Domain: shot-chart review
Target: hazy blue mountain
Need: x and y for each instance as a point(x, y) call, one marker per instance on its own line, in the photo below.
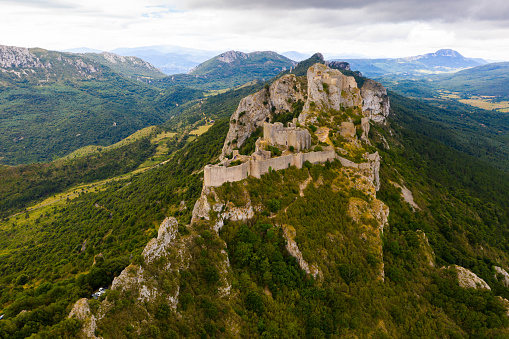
point(82, 50)
point(169, 59)
point(444, 60)
point(296, 56)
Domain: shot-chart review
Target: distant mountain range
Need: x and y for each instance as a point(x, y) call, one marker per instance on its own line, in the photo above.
point(491, 80)
point(169, 59)
point(444, 60)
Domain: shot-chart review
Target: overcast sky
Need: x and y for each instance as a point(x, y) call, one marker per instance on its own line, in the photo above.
point(392, 28)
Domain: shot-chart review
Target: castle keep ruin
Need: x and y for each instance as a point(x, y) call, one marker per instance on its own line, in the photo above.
point(276, 134)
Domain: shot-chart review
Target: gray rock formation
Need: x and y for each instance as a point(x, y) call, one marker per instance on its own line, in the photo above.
point(330, 89)
point(468, 279)
point(231, 56)
point(18, 57)
point(339, 65)
point(326, 89)
point(375, 102)
point(292, 248)
point(504, 274)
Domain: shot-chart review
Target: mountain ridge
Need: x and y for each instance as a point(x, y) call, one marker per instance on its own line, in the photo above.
point(443, 60)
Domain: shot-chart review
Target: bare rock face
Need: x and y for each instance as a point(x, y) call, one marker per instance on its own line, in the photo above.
point(292, 248)
point(18, 57)
point(285, 91)
point(339, 64)
point(81, 311)
point(201, 207)
point(375, 102)
point(329, 88)
point(231, 56)
point(136, 279)
point(252, 112)
point(347, 130)
point(468, 279)
point(505, 275)
point(166, 234)
point(372, 168)
point(365, 130)
point(115, 58)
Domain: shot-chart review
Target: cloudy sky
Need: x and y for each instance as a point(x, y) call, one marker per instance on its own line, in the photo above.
point(392, 28)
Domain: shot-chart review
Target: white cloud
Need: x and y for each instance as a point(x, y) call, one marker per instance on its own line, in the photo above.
point(391, 28)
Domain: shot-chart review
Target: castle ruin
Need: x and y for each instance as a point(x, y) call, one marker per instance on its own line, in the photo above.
point(261, 162)
point(276, 134)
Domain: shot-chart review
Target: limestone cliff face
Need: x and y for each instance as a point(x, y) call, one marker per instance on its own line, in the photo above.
point(18, 57)
point(375, 102)
point(251, 114)
point(468, 279)
point(338, 64)
point(329, 89)
point(130, 60)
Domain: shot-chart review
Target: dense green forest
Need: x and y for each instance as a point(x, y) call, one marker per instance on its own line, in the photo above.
point(43, 123)
point(474, 131)
point(463, 216)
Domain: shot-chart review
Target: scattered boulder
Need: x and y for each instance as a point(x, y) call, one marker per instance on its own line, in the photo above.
point(468, 279)
point(505, 275)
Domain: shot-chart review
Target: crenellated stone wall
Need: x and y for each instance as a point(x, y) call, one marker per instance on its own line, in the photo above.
point(216, 175)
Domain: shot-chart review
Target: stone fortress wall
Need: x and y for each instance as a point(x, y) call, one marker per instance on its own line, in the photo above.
point(260, 162)
point(216, 175)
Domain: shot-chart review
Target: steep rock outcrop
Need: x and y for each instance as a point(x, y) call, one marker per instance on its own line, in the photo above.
point(165, 235)
point(329, 89)
point(375, 102)
point(468, 279)
point(251, 113)
point(504, 275)
point(338, 64)
point(18, 57)
point(289, 234)
point(426, 247)
point(81, 311)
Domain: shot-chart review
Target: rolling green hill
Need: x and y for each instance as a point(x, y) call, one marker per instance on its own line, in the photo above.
point(231, 69)
point(487, 80)
point(490, 80)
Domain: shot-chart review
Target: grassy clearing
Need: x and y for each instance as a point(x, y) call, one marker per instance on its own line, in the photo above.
point(93, 149)
point(487, 103)
point(200, 130)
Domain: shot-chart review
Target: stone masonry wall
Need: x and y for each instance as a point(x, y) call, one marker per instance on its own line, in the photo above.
point(216, 175)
